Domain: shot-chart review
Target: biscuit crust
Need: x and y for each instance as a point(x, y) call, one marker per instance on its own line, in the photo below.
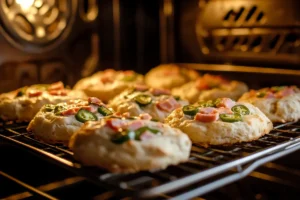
point(24, 108)
point(169, 76)
point(52, 128)
point(108, 83)
point(125, 102)
point(253, 126)
point(92, 146)
point(190, 91)
point(283, 109)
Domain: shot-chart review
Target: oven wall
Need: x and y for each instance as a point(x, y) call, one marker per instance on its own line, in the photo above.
point(119, 34)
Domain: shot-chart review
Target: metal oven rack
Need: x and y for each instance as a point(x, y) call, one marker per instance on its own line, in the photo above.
point(206, 170)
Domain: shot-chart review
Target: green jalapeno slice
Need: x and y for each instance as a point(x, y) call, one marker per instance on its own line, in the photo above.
point(141, 130)
point(205, 104)
point(49, 107)
point(85, 115)
point(261, 94)
point(231, 117)
point(59, 109)
point(277, 88)
point(143, 99)
point(240, 109)
point(190, 110)
point(122, 137)
point(104, 111)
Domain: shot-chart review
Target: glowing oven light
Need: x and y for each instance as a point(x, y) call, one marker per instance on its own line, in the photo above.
point(25, 4)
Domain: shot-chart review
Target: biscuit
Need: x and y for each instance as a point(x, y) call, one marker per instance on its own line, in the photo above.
point(24, 103)
point(159, 103)
point(210, 87)
point(57, 123)
point(169, 76)
point(123, 145)
point(220, 122)
point(279, 104)
point(106, 84)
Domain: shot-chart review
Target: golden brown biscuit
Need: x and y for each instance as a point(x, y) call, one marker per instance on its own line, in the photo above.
point(210, 87)
point(280, 104)
point(220, 122)
point(57, 123)
point(159, 103)
point(108, 83)
point(24, 103)
point(123, 145)
point(169, 76)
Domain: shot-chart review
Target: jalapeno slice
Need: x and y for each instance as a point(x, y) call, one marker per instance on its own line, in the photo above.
point(104, 111)
point(20, 93)
point(240, 109)
point(49, 107)
point(141, 130)
point(190, 110)
point(143, 99)
point(129, 78)
point(122, 137)
point(85, 115)
point(217, 102)
point(261, 94)
point(231, 117)
point(59, 109)
point(277, 88)
point(177, 98)
point(205, 104)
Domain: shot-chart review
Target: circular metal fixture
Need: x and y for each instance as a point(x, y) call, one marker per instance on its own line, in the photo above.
point(37, 25)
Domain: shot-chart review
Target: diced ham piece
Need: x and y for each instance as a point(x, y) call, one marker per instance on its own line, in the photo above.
point(35, 93)
point(90, 108)
point(269, 95)
point(226, 103)
point(168, 105)
point(106, 79)
point(201, 84)
point(223, 110)
point(94, 100)
point(145, 116)
point(207, 110)
point(56, 86)
point(134, 125)
point(126, 114)
point(116, 124)
point(141, 87)
point(252, 93)
point(128, 72)
point(160, 91)
point(118, 114)
point(146, 135)
point(285, 92)
point(61, 92)
point(71, 111)
point(207, 115)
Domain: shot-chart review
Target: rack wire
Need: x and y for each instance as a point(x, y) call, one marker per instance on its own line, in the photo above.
point(207, 168)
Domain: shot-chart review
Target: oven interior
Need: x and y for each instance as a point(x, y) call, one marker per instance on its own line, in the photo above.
point(250, 40)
